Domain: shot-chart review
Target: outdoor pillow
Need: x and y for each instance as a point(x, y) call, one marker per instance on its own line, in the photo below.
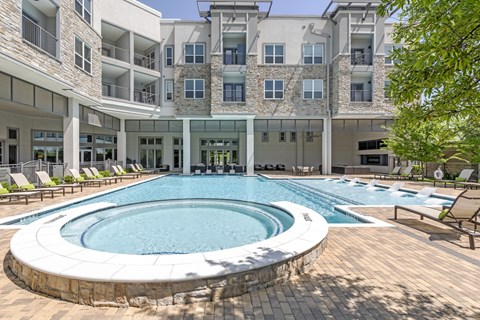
point(404, 174)
point(443, 214)
point(50, 184)
point(3, 191)
point(459, 179)
point(98, 176)
point(123, 172)
point(28, 186)
point(80, 179)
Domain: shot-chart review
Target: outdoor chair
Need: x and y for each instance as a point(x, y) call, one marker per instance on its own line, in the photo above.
point(122, 174)
point(91, 176)
point(465, 209)
point(87, 182)
point(257, 167)
point(4, 194)
point(468, 185)
point(143, 170)
point(280, 167)
point(393, 174)
point(269, 166)
point(98, 175)
point(408, 174)
point(463, 177)
point(294, 171)
point(48, 183)
point(24, 185)
point(135, 174)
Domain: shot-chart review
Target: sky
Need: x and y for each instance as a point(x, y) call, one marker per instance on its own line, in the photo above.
point(187, 9)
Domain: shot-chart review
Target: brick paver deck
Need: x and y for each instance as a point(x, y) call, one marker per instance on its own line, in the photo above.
point(415, 270)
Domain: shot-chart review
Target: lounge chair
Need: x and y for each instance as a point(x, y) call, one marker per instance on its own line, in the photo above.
point(99, 176)
point(407, 174)
point(468, 185)
point(134, 168)
point(143, 170)
point(135, 174)
point(79, 179)
point(269, 167)
point(24, 185)
point(294, 171)
point(48, 183)
point(91, 176)
point(257, 167)
point(465, 209)
point(4, 194)
point(463, 177)
point(393, 174)
point(280, 167)
point(121, 173)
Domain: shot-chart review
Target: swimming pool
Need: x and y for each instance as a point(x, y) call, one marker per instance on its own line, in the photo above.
point(321, 195)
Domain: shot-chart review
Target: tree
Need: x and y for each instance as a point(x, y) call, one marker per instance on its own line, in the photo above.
point(439, 64)
point(423, 141)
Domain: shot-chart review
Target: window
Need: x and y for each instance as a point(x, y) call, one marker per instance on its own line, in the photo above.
point(293, 136)
point(194, 88)
point(371, 145)
point(374, 159)
point(313, 54)
point(265, 136)
point(309, 136)
point(273, 89)
point(84, 9)
point(13, 134)
point(169, 56)
point(274, 53)
point(313, 89)
point(388, 51)
point(283, 136)
point(83, 55)
point(168, 90)
point(194, 53)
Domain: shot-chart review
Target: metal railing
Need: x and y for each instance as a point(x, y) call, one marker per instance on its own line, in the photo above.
point(144, 97)
point(361, 58)
point(360, 95)
point(115, 52)
point(233, 96)
point(38, 36)
point(110, 90)
point(144, 61)
point(29, 168)
point(234, 59)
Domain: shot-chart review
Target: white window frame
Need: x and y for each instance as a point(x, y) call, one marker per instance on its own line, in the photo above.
point(85, 61)
point(265, 136)
point(168, 90)
point(274, 56)
point(388, 60)
point(293, 136)
point(282, 136)
point(195, 89)
point(86, 13)
point(315, 54)
point(169, 59)
point(314, 84)
point(195, 53)
point(274, 91)
point(309, 136)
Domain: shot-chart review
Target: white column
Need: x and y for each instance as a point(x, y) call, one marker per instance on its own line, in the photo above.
point(327, 146)
point(250, 147)
point(122, 143)
point(186, 146)
point(71, 135)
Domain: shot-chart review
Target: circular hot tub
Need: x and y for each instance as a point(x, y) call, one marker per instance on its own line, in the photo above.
point(121, 256)
point(177, 226)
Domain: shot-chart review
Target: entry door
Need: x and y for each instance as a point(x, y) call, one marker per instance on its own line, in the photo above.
point(151, 158)
point(229, 56)
point(12, 154)
point(85, 156)
point(356, 91)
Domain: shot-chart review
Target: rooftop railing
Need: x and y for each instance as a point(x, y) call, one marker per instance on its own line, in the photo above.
point(117, 53)
point(38, 36)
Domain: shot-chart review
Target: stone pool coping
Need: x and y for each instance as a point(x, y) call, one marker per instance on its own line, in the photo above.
point(40, 252)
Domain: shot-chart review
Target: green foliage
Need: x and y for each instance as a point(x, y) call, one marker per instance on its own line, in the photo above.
point(84, 176)
point(68, 179)
point(7, 186)
point(56, 180)
point(417, 169)
point(105, 173)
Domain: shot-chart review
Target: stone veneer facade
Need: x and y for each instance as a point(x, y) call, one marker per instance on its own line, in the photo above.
point(62, 68)
point(194, 107)
point(293, 103)
point(340, 85)
point(112, 294)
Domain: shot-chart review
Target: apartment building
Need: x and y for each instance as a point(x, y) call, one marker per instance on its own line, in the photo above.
point(84, 81)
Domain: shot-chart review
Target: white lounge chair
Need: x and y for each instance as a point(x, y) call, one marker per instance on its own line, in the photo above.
point(24, 185)
point(79, 179)
point(48, 183)
point(463, 177)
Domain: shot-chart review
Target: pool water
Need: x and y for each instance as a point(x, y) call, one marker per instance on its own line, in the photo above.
point(177, 227)
point(316, 194)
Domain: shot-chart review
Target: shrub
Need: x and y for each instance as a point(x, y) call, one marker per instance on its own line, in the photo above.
point(68, 179)
point(84, 176)
point(417, 169)
point(56, 180)
point(6, 185)
point(105, 173)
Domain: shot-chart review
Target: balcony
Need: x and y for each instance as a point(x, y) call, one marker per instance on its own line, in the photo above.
point(39, 37)
point(117, 53)
point(360, 95)
point(113, 91)
point(145, 61)
point(233, 58)
point(233, 93)
point(361, 59)
point(144, 97)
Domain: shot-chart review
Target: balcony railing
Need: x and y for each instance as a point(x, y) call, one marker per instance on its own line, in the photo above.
point(360, 95)
point(233, 96)
point(361, 59)
point(38, 36)
point(144, 97)
point(234, 59)
point(113, 91)
point(144, 61)
point(115, 52)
